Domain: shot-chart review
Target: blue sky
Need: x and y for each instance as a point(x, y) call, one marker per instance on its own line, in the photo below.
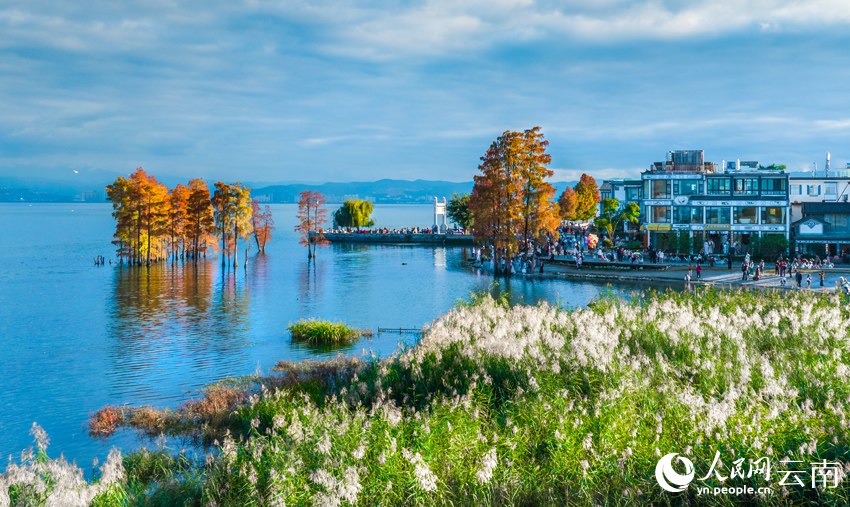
point(262, 90)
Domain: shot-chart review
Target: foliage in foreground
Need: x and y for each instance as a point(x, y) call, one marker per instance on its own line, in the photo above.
point(534, 405)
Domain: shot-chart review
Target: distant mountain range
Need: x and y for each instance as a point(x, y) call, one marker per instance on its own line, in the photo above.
point(90, 187)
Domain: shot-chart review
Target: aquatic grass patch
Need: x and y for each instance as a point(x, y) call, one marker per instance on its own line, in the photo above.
point(323, 331)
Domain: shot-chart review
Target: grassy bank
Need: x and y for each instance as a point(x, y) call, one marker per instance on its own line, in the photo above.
point(534, 405)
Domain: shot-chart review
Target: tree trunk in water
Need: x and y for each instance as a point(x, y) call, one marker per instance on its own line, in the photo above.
point(235, 246)
point(223, 249)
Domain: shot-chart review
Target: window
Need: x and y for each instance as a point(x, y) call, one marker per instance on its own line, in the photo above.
point(659, 189)
point(773, 215)
point(746, 215)
point(718, 185)
point(687, 215)
point(773, 186)
point(796, 189)
point(746, 185)
point(660, 214)
point(831, 188)
point(716, 215)
point(632, 194)
point(688, 187)
point(814, 189)
point(837, 223)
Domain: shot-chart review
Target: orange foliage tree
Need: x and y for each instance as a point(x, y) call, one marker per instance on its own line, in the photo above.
point(567, 204)
point(511, 199)
point(178, 203)
point(140, 206)
point(200, 222)
point(312, 217)
point(263, 224)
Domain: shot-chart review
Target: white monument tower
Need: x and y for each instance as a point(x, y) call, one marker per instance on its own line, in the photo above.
point(440, 209)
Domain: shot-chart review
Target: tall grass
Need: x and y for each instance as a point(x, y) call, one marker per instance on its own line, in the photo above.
point(534, 405)
point(323, 331)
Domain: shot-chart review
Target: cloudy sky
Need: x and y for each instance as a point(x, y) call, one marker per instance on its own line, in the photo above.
point(327, 90)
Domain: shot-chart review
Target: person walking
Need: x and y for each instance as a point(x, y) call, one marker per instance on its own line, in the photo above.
point(799, 279)
point(690, 271)
point(745, 270)
point(822, 277)
point(809, 281)
point(699, 270)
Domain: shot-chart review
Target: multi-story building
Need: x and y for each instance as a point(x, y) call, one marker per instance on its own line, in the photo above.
point(820, 211)
point(725, 207)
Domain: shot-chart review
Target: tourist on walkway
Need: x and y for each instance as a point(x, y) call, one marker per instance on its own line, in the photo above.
point(690, 271)
point(699, 270)
point(799, 279)
point(822, 277)
point(809, 281)
point(745, 270)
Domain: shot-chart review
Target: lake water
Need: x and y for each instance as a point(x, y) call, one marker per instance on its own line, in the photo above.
point(75, 337)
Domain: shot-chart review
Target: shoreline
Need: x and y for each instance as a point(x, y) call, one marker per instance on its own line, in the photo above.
point(675, 273)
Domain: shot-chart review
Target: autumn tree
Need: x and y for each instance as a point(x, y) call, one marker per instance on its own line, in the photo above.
point(587, 197)
point(125, 210)
point(458, 211)
point(178, 201)
point(567, 203)
point(539, 212)
point(200, 223)
point(232, 214)
point(311, 220)
point(263, 225)
point(511, 198)
point(354, 213)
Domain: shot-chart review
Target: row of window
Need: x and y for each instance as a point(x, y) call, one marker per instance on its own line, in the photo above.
point(665, 189)
point(829, 189)
point(771, 215)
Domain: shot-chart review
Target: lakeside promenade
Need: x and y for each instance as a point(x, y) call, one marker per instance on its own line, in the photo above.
point(674, 273)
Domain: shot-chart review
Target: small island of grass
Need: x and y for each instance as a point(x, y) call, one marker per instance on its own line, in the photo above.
point(324, 332)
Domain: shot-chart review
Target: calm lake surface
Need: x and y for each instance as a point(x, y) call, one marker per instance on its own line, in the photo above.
point(75, 337)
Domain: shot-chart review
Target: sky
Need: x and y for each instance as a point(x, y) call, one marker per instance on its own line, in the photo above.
point(327, 90)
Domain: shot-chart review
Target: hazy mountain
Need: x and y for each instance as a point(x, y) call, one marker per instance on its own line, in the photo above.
point(89, 186)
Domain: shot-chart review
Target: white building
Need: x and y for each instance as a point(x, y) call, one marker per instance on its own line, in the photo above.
point(724, 206)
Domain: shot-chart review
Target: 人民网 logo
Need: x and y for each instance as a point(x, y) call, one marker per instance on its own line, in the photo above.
point(668, 478)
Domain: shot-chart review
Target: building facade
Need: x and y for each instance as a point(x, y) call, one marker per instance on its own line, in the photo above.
point(722, 207)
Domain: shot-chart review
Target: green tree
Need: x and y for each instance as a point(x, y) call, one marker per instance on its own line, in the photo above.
point(587, 197)
point(683, 242)
point(770, 246)
point(612, 216)
point(458, 211)
point(354, 213)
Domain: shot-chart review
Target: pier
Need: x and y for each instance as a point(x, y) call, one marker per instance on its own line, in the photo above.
point(399, 238)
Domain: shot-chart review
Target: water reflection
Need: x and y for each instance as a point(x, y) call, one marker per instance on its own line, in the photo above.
point(170, 325)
